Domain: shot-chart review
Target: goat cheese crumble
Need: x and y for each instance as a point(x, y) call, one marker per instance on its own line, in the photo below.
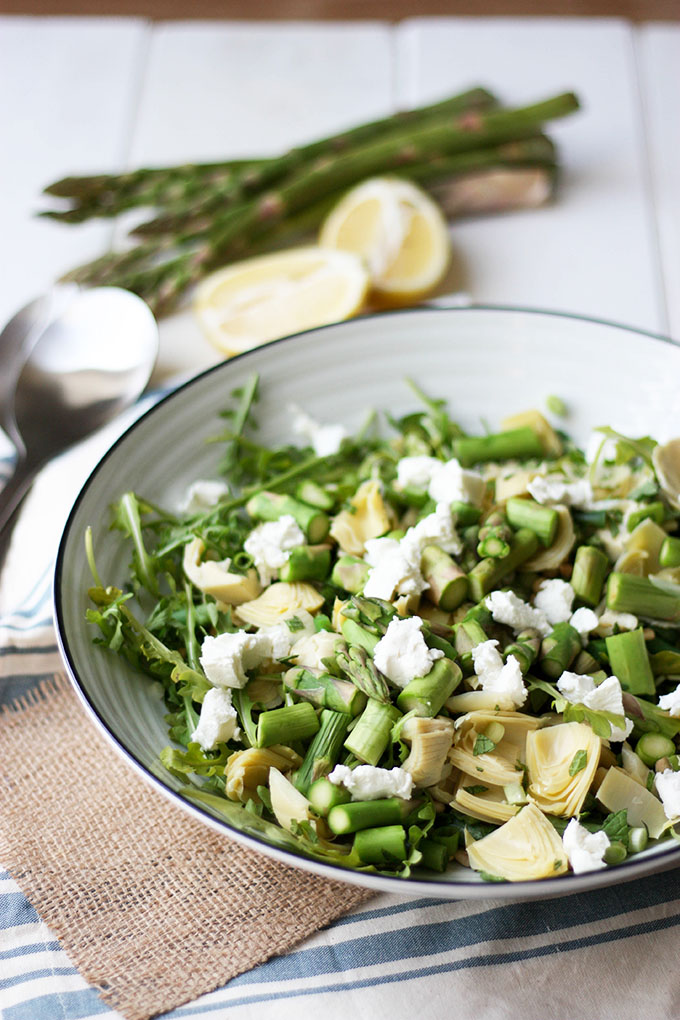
point(402, 654)
point(217, 721)
point(668, 788)
point(503, 679)
point(585, 850)
point(367, 782)
point(270, 543)
point(605, 697)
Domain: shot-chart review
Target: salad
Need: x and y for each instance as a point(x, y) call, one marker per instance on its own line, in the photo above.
point(414, 646)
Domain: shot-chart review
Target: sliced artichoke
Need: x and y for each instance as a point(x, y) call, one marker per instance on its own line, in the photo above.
point(501, 766)
point(666, 461)
point(246, 770)
point(550, 441)
point(369, 519)
point(278, 600)
point(647, 538)
point(288, 804)
point(488, 805)
point(430, 741)
point(214, 577)
point(618, 791)
point(312, 649)
point(562, 761)
point(633, 561)
point(633, 765)
point(555, 554)
point(524, 848)
point(516, 484)
point(472, 701)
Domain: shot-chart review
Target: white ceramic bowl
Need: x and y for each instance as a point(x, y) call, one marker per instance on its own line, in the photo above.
point(487, 362)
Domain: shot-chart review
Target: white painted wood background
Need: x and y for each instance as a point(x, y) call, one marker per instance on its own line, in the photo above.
point(84, 95)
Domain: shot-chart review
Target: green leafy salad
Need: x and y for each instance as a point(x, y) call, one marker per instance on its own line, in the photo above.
point(414, 646)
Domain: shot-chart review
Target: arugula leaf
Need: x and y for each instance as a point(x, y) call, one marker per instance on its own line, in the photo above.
point(601, 722)
point(194, 761)
point(578, 762)
point(628, 449)
point(483, 745)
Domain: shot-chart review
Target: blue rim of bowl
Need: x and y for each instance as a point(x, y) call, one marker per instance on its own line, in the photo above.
point(539, 889)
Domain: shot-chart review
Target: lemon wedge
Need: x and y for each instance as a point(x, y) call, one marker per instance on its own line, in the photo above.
point(248, 303)
point(400, 233)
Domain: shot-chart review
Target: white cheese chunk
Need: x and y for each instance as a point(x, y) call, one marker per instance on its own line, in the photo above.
point(509, 609)
point(401, 654)
point(312, 649)
point(503, 679)
point(202, 495)
point(610, 619)
point(550, 489)
point(395, 567)
point(671, 702)
point(585, 850)
point(367, 782)
point(270, 543)
point(445, 481)
point(438, 528)
point(668, 788)
point(554, 599)
point(324, 439)
point(605, 697)
point(416, 472)
point(584, 620)
point(227, 658)
point(451, 483)
point(217, 721)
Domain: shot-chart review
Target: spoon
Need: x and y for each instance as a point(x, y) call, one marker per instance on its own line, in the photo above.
point(69, 363)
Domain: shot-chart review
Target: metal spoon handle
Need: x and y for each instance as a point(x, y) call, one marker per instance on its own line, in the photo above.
point(15, 488)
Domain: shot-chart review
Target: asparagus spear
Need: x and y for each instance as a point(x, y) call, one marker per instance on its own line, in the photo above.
point(189, 254)
point(109, 194)
point(324, 750)
point(629, 661)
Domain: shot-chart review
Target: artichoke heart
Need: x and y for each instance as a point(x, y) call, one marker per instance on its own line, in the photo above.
point(548, 438)
point(369, 518)
point(555, 554)
point(214, 577)
point(515, 484)
point(501, 766)
point(488, 804)
point(647, 538)
point(288, 804)
point(618, 791)
point(562, 761)
point(526, 847)
point(246, 770)
point(666, 461)
point(430, 741)
point(278, 600)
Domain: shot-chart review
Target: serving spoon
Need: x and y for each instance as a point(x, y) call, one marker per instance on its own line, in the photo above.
point(70, 362)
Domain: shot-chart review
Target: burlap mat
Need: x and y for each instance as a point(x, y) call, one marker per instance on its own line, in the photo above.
point(153, 908)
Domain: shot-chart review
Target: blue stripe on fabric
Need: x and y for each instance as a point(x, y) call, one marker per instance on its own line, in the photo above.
point(522, 919)
point(399, 908)
point(29, 649)
point(35, 975)
point(59, 1006)
point(14, 910)
point(488, 960)
point(34, 947)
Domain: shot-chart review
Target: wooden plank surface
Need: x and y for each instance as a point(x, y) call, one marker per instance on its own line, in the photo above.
point(660, 86)
point(591, 252)
point(387, 10)
point(68, 89)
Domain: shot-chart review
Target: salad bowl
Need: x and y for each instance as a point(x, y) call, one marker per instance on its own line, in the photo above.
point(486, 362)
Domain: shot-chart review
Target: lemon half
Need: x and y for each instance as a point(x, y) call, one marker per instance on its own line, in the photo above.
point(400, 233)
point(270, 296)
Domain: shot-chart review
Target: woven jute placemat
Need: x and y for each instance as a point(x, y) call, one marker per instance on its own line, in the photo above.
point(135, 889)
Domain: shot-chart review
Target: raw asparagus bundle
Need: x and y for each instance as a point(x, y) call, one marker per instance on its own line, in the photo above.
point(471, 153)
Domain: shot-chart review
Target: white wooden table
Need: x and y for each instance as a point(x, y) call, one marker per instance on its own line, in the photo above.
point(87, 95)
